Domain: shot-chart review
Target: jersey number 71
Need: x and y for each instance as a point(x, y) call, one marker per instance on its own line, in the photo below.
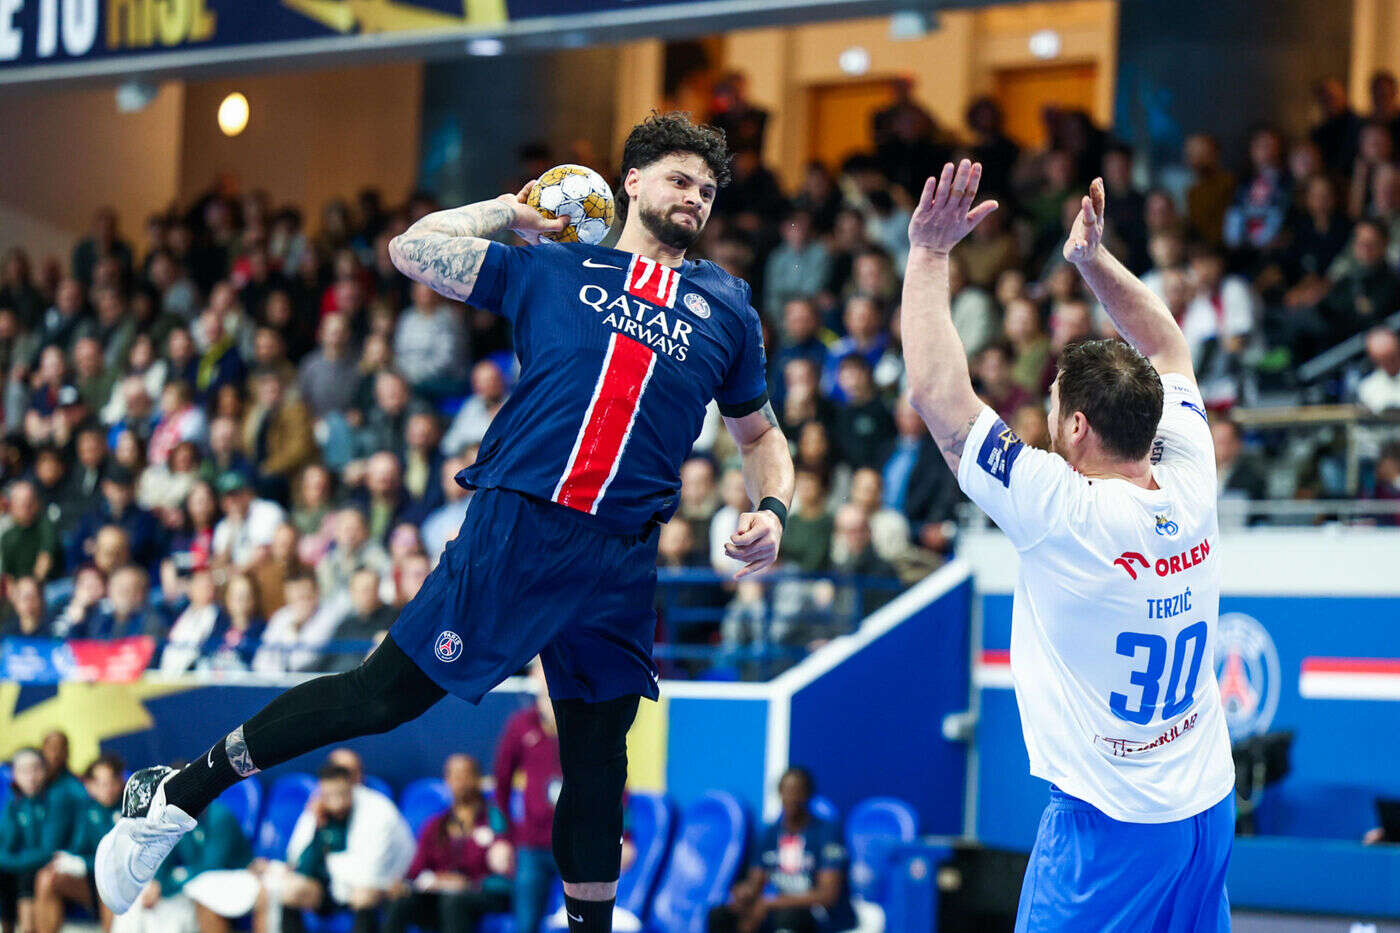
point(1190, 640)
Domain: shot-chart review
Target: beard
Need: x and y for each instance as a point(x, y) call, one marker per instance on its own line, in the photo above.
point(669, 233)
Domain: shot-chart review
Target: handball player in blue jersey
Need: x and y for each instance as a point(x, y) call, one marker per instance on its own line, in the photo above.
point(621, 350)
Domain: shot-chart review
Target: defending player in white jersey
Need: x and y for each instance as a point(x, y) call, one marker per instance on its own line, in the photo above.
point(1115, 610)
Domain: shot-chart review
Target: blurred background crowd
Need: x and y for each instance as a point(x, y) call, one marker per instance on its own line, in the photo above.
point(236, 429)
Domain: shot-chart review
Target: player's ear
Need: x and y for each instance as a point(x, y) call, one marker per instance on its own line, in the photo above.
point(632, 182)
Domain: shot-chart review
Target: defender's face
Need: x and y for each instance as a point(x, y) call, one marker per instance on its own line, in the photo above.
point(672, 198)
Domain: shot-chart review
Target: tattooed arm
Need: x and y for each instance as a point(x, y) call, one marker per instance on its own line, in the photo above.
point(940, 387)
point(445, 249)
point(768, 474)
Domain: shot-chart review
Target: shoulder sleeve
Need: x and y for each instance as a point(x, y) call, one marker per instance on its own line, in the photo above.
point(1023, 489)
point(745, 386)
point(502, 269)
point(1183, 434)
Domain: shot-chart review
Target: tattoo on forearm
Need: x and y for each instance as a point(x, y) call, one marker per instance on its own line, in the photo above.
point(767, 412)
point(951, 443)
point(445, 250)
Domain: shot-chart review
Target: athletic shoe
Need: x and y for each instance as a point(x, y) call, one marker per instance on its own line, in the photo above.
point(128, 856)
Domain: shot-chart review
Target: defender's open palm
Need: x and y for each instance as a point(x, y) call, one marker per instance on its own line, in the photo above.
point(1084, 238)
point(945, 213)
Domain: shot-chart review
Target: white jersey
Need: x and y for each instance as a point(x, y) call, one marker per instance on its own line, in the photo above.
point(1114, 618)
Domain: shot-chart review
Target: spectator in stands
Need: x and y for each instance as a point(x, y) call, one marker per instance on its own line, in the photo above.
point(529, 751)
point(854, 556)
point(807, 537)
point(802, 398)
point(422, 461)
point(1216, 324)
point(1320, 231)
point(111, 328)
point(430, 343)
point(470, 424)
point(797, 267)
point(736, 501)
point(1262, 200)
point(461, 869)
point(1337, 126)
point(383, 499)
point(329, 375)
point(30, 546)
point(79, 617)
point(699, 501)
point(60, 321)
point(803, 336)
point(1387, 483)
point(889, 529)
point(179, 420)
point(991, 146)
point(163, 488)
point(56, 488)
point(92, 377)
point(248, 523)
point(35, 823)
point(741, 120)
point(220, 362)
point(1239, 474)
point(1211, 191)
point(365, 624)
point(1365, 293)
point(297, 632)
point(409, 577)
point(443, 523)
point(233, 648)
point(17, 289)
point(195, 628)
point(1375, 150)
point(104, 241)
point(118, 507)
point(1029, 345)
point(989, 251)
point(1379, 391)
point(995, 382)
point(863, 427)
point(371, 843)
point(865, 336)
point(386, 419)
point(353, 548)
point(1032, 425)
point(277, 433)
point(26, 617)
point(127, 611)
point(797, 873)
point(225, 455)
point(67, 878)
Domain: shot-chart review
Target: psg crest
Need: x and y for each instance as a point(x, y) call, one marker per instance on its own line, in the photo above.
point(1247, 668)
point(448, 646)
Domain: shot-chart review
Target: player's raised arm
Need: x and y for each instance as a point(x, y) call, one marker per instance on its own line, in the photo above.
point(445, 249)
point(1135, 309)
point(940, 387)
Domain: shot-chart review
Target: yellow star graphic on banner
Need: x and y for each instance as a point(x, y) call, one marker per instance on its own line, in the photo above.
point(88, 712)
point(390, 16)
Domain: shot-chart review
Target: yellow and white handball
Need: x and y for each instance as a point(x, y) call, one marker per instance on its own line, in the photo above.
point(578, 193)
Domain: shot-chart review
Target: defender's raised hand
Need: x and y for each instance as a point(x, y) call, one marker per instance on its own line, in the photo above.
point(1084, 239)
point(945, 213)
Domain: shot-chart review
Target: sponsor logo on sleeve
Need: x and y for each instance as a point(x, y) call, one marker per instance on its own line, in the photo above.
point(999, 451)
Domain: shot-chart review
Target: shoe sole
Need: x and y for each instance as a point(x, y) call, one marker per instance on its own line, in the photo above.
point(104, 851)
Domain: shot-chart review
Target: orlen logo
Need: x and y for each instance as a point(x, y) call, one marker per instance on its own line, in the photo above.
point(1165, 566)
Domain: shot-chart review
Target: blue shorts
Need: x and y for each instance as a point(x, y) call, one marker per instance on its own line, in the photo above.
point(1090, 872)
point(523, 578)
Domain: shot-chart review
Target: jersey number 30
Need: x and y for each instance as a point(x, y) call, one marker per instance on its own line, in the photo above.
point(1189, 641)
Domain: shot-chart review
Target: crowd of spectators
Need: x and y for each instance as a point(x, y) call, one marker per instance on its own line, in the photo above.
point(240, 433)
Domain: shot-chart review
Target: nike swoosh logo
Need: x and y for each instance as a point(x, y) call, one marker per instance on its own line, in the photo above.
point(590, 264)
point(573, 918)
point(210, 757)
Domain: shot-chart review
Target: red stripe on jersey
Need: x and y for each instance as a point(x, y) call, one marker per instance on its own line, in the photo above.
point(607, 424)
point(651, 281)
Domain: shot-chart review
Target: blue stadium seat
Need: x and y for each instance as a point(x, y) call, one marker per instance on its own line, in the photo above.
point(875, 827)
point(823, 809)
point(5, 779)
point(703, 863)
point(245, 800)
point(422, 800)
point(340, 921)
point(285, 801)
point(379, 784)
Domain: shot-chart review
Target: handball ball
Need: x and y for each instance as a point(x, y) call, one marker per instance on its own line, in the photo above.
point(578, 193)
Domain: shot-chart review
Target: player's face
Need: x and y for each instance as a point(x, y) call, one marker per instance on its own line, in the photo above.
point(105, 786)
point(673, 197)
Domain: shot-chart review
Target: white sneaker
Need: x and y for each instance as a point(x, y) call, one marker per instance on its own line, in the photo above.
point(128, 856)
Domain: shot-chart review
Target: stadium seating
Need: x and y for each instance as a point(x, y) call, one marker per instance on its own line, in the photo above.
point(703, 863)
point(379, 784)
point(245, 800)
point(422, 800)
point(4, 785)
point(285, 801)
point(874, 828)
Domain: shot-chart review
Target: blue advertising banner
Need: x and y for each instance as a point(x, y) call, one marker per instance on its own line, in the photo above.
point(59, 39)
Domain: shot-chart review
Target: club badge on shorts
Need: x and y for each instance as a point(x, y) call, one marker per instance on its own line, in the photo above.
point(448, 646)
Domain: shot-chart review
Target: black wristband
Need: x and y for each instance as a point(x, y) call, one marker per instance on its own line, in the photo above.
point(775, 505)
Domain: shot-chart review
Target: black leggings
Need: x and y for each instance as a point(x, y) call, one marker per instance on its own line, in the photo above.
point(384, 692)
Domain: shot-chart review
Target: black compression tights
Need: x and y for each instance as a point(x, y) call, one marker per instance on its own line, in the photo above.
point(385, 691)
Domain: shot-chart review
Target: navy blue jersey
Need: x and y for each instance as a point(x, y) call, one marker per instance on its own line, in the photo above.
point(792, 861)
point(619, 355)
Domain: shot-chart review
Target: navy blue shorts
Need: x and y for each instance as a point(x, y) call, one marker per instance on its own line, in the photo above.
point(523, 578)
point(1089, 871)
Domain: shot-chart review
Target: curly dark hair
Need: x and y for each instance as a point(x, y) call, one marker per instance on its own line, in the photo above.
point(661, 134)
